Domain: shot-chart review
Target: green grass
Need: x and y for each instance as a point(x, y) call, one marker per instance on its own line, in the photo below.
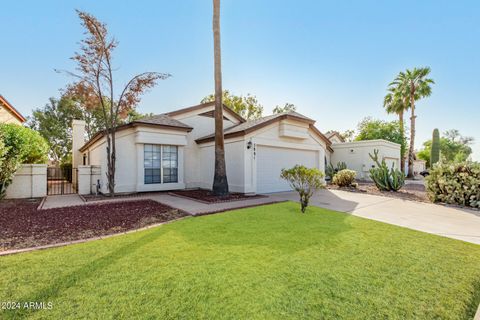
point(266, 262)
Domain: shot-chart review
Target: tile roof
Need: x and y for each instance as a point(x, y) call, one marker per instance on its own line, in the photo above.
point(251, 125)
point(164, 120)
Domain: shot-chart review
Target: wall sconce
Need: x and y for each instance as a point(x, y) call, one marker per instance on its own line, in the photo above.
point(249, 144)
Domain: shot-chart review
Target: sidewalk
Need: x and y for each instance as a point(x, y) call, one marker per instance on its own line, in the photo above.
point(190, 206)
point(458, 223)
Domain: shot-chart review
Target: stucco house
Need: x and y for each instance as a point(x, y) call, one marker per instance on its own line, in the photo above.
point(175, 150)
point(8, 114)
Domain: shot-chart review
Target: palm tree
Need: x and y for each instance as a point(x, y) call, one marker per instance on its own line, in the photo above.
point(220, 184)
point(395, 103)
point(415, 85)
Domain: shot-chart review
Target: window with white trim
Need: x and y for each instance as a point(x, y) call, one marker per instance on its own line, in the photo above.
point(160, 164)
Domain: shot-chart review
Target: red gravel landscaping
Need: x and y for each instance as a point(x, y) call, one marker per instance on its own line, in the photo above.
point(23, 226)
point(207, 196)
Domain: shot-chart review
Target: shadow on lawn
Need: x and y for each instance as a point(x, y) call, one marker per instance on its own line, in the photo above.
point(55, 288)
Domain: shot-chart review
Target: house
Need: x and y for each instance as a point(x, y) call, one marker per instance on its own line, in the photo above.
point(8, 114)
point(175, 150)
point(334, 137)
point(356, 155)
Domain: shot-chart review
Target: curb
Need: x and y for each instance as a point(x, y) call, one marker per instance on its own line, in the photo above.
point(237, 208)
point(477, 315)
point(173, 194)
point(40, 206)
point(63, 244)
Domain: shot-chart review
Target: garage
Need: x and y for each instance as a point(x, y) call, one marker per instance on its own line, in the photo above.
point(270, 162)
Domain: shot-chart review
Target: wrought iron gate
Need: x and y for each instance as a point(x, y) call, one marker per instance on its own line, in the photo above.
point(61, 180)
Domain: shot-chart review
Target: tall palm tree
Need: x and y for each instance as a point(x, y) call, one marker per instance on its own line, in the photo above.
point(395, 103)
point(415, 85)
point(220, 183)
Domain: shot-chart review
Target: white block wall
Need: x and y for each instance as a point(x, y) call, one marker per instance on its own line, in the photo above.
point(30, 181)
point(87, 179)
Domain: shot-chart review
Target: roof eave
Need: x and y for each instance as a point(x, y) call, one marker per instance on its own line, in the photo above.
point(101, 134)
point(203, 105)
point(12, 109)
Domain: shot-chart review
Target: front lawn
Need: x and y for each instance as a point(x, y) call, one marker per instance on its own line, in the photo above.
point(267, 262)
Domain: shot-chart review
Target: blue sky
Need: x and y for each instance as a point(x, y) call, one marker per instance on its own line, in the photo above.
point(333, 60)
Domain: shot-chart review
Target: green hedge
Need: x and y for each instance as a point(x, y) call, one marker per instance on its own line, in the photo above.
point(455, 183)
point(18, 145)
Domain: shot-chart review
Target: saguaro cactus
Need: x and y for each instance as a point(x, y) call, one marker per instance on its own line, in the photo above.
point(435, 151)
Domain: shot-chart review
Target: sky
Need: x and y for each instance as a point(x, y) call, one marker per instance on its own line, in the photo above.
point(331, 59)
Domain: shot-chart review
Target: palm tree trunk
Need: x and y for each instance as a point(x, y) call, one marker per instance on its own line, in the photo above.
point(220, 184)
point(402, 148)
point(412, 133)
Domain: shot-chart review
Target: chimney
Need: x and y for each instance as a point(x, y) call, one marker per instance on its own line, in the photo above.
point(78, 140)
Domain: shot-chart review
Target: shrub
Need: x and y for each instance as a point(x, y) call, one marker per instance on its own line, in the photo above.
point(344, 178)
point(384, 178)
point(18, 145)
point(331, 171)
point(455, 183)
point(305, 181)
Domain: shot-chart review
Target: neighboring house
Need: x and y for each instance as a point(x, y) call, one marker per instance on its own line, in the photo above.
point(418, 165)
point(356, 155)
point(175, 150)
point(334, 137)
point(8, 114)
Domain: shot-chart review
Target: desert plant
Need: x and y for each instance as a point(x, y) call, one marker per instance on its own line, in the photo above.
point(305, 181)
point(386, 179)
point(435, 151)
point(455, 183)
point(18, 145)
point(331, 171)
point(344, 178)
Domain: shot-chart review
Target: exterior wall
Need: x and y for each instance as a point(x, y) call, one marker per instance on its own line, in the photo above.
point(234, 158)
point(419, 166)
point(129, 174)
point(30, 181)
point(87, 179)
point(195, 172)
point(241, 161)
point(273, 136)
point(7, 117)
point(356, 155)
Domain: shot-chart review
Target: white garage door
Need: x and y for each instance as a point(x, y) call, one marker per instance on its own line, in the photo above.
point(270, 162)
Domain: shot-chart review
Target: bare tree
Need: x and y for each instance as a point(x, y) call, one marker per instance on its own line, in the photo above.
point(95, 84)
point(220, 183)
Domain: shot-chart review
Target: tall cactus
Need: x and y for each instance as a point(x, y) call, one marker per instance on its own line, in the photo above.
point(385, 179)
point(435, 151)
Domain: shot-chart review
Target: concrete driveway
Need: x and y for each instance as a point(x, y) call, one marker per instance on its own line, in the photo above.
point(457, 223)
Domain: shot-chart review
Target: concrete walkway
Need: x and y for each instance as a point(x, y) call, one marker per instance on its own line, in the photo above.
point(457, 223)
point(59, 201)
point(190, 206)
